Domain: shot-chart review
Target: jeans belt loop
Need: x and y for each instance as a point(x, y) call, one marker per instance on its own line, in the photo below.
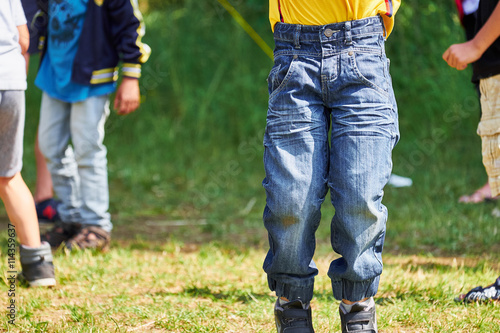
point(348, 33)
point(296, 36)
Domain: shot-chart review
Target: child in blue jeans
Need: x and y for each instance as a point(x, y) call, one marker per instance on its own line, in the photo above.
point(331, 125)
point(36, 257)
point(85, 42)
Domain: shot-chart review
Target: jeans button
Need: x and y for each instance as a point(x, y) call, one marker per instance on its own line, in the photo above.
point(350, 53)
point(328, 32)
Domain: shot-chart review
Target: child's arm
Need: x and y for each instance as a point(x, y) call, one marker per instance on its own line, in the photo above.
point(460, 55)
point(128, 30)
point(128, 96)
point(24, 37)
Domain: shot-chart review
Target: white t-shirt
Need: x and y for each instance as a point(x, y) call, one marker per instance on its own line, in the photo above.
point(470, 6)
point(12, 63)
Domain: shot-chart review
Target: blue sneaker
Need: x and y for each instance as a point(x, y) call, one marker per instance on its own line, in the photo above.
point(47, 210)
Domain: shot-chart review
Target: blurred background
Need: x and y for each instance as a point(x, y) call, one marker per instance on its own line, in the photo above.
point(188, 164)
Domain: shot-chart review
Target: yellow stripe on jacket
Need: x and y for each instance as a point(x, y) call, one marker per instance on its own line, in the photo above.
point(321, 12)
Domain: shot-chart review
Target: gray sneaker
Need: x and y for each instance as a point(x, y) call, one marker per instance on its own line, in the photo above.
point(37, 267)
point(361, 319)
point(291, 317)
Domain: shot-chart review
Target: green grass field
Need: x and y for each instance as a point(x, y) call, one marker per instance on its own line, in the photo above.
point(185, 177)
point(181, 287)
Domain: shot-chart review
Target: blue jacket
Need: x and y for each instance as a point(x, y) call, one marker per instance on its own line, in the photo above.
point(112, 32)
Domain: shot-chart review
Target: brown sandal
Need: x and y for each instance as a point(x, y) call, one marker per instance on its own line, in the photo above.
point(90, 237)
point(61, 233)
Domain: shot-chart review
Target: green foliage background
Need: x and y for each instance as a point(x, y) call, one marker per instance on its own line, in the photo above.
point(194, 149)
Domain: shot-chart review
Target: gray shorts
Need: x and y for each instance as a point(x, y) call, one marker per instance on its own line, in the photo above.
point(12, 113)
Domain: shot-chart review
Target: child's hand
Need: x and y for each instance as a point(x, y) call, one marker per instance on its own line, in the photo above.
point(24, 38)
point(460, 55)
point(128, 96)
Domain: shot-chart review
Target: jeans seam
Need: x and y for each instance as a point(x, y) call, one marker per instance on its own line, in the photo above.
point(286, 52)
point(354, 36)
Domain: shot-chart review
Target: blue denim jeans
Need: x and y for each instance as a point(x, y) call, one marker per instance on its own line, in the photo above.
point(79, 171)
point(328, 78)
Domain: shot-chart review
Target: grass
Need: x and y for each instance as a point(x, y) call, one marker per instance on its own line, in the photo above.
point(212, 288)
point(186, 200)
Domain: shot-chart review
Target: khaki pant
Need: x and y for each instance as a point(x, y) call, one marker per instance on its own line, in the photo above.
point(489, 130)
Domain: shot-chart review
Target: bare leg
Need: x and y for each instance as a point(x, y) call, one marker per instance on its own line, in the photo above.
point(20, 208)
point(351, 303)
point(27, 59)
point(343, 300)
point(480, 195)
point(43, 188)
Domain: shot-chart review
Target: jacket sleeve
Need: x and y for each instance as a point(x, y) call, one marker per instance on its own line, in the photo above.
point(127, 30)
point(39, 23)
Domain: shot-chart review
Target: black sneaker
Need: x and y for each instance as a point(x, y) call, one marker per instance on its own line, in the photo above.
point(37, 267)
point(90, 237)
point(291, 317)
point(46, 210)
point(361, 319)
point(61, 233)
point(480, 294)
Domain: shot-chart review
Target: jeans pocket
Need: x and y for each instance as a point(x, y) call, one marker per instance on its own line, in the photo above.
point(271, 76)
point(372, 70)
point(378, 248)
point(280, 73)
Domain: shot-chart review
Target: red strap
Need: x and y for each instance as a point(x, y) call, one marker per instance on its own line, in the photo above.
point(460, 9)
point(279, 8)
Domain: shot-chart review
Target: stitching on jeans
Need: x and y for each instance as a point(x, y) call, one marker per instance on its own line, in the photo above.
point(365, 80)
point(298, 53)
point(284, 81)
point(340, 38)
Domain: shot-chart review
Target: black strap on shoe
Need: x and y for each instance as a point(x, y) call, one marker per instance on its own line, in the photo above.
point(360, 322)
point(291, 315)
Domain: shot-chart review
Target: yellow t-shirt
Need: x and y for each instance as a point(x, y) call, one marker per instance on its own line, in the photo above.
point(321, 12)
